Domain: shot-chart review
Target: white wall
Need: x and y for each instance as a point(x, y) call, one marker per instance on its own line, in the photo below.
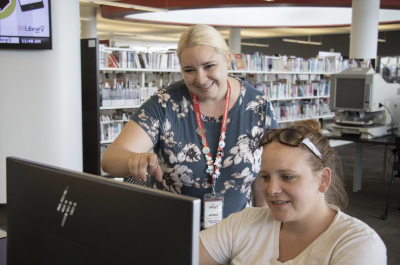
point(40, 98)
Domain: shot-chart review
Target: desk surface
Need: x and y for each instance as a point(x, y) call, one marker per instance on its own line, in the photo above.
point(384, 140)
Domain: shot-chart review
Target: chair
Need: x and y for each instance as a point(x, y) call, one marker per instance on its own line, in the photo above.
point(395, 173)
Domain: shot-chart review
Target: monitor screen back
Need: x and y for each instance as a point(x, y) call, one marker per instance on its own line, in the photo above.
point(58, 216)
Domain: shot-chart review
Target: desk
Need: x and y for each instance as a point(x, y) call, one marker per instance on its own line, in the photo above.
point(385, 140)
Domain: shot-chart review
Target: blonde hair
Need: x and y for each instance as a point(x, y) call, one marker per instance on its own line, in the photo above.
point(202, 35)
point(336, 194)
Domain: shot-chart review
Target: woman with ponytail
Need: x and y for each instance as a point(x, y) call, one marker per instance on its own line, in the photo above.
point(302, 184)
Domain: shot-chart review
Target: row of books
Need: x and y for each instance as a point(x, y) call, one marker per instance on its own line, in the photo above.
point(244, 61)
point(132, 59)
point(291, 78)
point(258, 62)
point(121, 96)
point(130, 80)
point(110, 131)
point(109, 119)
point(283, 89)
point(303, 109)
point(111, 125)
point(124, 89)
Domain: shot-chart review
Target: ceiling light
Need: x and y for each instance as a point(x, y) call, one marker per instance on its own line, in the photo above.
point(379, 40)
point(85, 18)
point(117, 4)
point(254, 44)
point(124, 33)
point(303, 41)
point(384, 37)
point(260, 16)
point(139, 36)
point(128, 40)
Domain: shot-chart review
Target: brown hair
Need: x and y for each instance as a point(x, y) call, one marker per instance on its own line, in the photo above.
point(336, 193)
point(202, 35)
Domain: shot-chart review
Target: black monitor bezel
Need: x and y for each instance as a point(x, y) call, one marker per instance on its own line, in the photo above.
point(31, 189)
point(31, 46)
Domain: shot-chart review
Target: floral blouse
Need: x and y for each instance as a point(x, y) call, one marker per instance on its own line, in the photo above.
point(168, 118)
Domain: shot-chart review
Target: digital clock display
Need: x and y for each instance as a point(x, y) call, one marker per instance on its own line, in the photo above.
point(26, 40)
point(31, 40)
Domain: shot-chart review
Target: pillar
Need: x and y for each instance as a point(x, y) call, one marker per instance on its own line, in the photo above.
point(234, 40)
point(89, 24)
point(364, 29)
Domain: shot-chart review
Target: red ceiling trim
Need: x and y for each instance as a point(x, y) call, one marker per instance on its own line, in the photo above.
point(235, 26)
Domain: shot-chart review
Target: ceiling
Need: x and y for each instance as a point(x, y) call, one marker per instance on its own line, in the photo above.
point(148, 34)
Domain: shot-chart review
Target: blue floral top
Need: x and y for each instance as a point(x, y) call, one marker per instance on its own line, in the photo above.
point(168, 118)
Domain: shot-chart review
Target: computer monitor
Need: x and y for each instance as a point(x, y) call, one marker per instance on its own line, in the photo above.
point(59, 216)
point(360, 89)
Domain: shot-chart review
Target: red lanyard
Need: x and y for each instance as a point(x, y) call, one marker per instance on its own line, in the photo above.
point(213, 168)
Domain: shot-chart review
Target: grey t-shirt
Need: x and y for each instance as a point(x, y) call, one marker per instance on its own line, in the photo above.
point(169, 120)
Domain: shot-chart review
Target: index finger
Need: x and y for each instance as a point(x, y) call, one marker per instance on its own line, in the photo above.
point(154, 169)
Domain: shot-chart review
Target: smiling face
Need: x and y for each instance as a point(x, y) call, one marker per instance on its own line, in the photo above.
point(291, 189)
point(205, 72)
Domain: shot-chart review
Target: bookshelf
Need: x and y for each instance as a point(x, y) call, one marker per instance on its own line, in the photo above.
point(294, 95)
point(94, 108)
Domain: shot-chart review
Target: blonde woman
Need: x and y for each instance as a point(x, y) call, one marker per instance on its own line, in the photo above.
point(204, 130)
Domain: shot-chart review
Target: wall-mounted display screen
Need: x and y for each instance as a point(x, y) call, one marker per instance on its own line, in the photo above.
point(25, 24)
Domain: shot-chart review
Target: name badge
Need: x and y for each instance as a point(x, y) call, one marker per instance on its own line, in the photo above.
point(213, 209)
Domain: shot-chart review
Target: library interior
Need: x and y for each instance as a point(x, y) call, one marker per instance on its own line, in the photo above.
point(76, 187)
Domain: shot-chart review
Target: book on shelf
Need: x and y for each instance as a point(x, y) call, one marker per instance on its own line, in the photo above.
point(123, 59)
point(158, 61)
point(137, 61)
point(102, 56)
point(252, 64)
point(267, 63)
point(173, 61)
point(163, 61)
point(245, 61)
point(239, 63)
point(130, 60)
point(233, 64)
point(290, 63)
point(112, 61)
point(143, 61)
point(148, 57)
point(258, 63)
point(177, 65)
point(154, 58)
point(116, 56)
